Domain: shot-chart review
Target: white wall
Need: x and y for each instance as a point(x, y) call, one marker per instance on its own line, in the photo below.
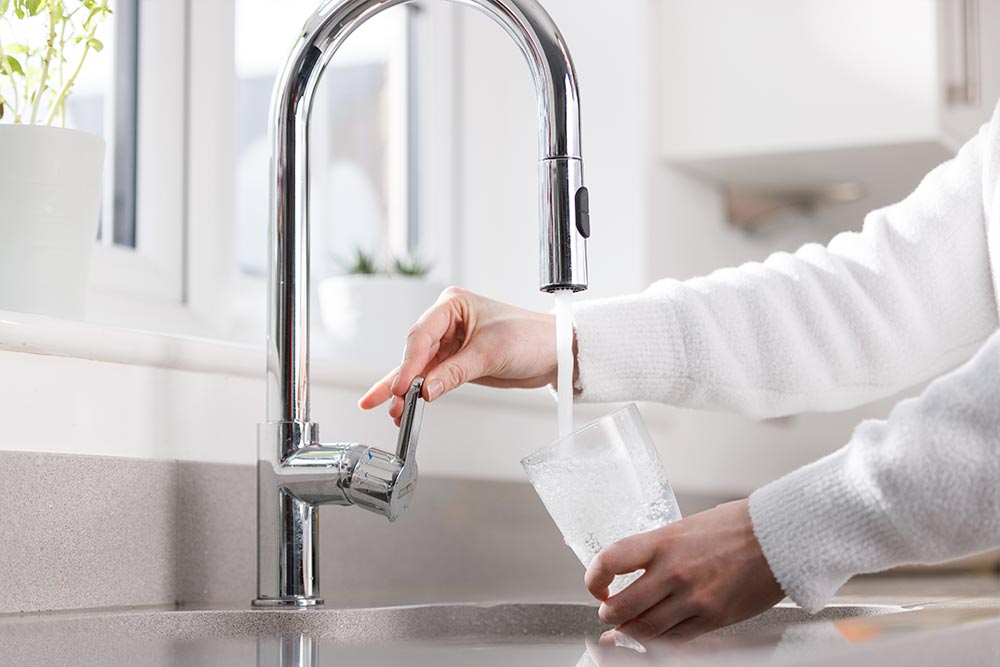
point(83, 389)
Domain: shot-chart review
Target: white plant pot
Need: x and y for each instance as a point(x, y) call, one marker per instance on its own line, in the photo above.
point(50, 200)
point(367, 317)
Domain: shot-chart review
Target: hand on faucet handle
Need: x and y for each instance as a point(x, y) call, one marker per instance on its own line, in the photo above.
point(463, 338)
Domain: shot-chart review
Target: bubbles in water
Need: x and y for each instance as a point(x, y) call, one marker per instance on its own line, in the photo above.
point(641, 501)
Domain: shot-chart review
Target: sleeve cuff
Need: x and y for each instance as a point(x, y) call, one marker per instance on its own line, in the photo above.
point(821, 525)
point(630, 348)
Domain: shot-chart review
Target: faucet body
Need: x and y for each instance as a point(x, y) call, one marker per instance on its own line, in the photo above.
point(296, 473)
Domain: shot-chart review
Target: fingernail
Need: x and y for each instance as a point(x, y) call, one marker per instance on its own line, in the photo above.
point(435, 389)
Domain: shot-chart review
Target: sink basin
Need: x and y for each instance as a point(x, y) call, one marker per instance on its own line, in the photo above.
point(522, 634)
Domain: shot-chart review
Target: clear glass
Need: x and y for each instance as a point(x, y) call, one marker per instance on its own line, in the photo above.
point(602, 484)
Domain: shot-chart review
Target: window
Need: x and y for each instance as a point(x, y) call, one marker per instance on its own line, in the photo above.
point(182, 94)
point(103, 102)
point(138, 267)
point(138, 251)
point(362, 137)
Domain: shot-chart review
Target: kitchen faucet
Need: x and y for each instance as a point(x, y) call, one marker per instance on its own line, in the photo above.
point(295, 473)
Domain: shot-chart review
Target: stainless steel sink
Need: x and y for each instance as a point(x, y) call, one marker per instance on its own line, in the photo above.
point(522, 634)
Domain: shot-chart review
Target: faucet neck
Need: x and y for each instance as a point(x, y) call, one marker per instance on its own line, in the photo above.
point(562, 245)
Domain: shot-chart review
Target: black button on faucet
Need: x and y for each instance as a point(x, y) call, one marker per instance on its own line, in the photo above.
point(583, 212)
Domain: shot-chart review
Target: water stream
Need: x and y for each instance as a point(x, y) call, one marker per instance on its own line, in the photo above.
point(564, 356)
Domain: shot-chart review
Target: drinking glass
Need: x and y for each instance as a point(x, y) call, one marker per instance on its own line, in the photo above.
point(604, 483)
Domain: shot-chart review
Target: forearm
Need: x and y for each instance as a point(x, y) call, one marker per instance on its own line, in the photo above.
point(825, 328)
point(919, 487)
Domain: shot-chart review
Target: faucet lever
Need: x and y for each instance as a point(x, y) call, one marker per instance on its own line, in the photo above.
point(382, 482)
point(409, 423)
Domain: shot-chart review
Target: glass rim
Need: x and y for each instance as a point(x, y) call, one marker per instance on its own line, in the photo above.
point(544, 452)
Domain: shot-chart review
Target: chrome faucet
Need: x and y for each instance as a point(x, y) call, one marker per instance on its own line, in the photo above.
point(295, 473)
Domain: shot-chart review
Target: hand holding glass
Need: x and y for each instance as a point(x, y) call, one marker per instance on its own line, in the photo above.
point(602, 484)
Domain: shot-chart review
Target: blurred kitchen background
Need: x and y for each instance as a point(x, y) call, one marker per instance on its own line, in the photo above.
point(715, 133)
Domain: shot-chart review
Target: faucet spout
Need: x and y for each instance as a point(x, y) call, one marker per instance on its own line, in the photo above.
point(295, 472)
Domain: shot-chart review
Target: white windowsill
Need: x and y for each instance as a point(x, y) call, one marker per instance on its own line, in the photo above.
point(52, 337)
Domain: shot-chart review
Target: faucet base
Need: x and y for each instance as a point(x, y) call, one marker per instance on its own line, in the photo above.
point(288, 602)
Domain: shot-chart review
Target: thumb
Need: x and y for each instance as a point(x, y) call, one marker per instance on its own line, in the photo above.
point(465, 366)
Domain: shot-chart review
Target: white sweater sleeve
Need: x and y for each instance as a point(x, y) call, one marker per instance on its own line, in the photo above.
point(825, 328)
point(920, 487)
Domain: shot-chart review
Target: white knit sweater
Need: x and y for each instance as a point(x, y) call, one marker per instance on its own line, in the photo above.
point(828, 328)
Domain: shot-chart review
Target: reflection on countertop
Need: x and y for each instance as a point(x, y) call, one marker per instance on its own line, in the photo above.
point(874, 621)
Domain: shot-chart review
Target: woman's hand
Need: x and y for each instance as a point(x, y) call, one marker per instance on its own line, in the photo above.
point(469, 338)
point(702, 573)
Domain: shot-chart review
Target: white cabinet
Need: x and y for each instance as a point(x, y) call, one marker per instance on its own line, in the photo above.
point(780, 92)
point(970, 64)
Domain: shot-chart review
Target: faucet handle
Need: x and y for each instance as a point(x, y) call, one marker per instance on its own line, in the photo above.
point(384, 483)
point(409, 423)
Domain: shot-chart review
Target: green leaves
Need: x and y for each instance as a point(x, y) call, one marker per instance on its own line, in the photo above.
point(367, 264)
point(362, 264)
point(14, 66)
point(411, 265)
point(38, 72)
point(24, 8)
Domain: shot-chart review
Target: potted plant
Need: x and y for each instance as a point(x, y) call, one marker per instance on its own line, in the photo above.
point(368, 310)
point(50, 186)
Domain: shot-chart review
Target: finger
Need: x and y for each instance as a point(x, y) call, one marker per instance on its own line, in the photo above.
point(380, 392)
point(638, 597)
point(628, 555)
point(663, 617)
point(396, 409)
point(422, 344)
point(466, 366)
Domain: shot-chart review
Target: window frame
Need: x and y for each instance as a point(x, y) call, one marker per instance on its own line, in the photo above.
point(182, 277)
point(129, 286)
point(235, 301)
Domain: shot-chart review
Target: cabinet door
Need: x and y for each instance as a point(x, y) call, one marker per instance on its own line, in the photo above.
point(773, 76)
point(970, 65)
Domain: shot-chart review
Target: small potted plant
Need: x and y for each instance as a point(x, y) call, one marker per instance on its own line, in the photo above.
point(368, 310)
point(50, 187)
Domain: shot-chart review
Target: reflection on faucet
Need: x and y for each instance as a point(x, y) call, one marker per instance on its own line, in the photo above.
point(296, 473)
point(292, 651)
